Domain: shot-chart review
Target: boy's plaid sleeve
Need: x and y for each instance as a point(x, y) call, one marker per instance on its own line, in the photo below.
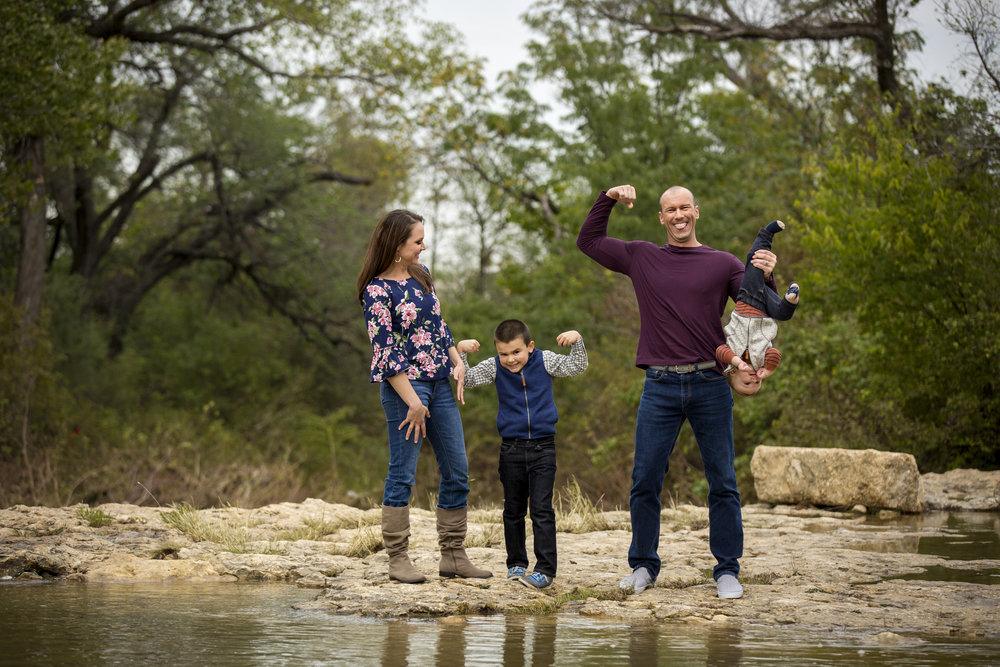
point(485, 372)
point(566, 365)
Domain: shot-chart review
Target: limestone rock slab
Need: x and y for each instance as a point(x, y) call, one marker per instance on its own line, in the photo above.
point(837, 477)
point(962, 489)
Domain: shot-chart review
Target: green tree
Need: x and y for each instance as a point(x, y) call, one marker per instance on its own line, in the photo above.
point(53, 102)
point(902, 238)
point(220, 201)
point(230, 109)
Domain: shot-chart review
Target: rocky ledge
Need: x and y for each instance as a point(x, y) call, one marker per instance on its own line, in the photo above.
point(802, 566)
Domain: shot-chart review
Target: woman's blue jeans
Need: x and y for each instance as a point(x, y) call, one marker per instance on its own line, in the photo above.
point(705, 400)
point(444, 431)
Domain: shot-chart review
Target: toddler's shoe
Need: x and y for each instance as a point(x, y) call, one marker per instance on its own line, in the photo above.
point(515, 572)
point(536, 580)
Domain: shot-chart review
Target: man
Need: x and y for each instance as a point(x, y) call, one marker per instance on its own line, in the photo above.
point(681, 289)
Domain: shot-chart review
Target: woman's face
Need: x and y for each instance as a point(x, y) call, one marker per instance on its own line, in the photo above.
point(410, 249)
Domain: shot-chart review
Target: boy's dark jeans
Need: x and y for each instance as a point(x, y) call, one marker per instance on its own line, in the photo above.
point(528, 473)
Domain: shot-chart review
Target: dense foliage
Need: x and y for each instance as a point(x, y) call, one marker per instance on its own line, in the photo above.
point(197, 182)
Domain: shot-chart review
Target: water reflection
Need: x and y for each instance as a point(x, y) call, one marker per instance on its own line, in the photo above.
point(724, 647)
point(396, 645)
point(514, 638)
point(643, 646)
point(528, 641)
point(451, 644)
point(235, 624)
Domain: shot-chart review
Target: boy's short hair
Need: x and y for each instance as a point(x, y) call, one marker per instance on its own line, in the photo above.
point(508, 330)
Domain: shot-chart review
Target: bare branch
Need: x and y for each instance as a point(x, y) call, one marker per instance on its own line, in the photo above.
point(811, 23)
point(530, 197)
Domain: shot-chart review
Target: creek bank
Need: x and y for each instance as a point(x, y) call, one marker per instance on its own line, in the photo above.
point(802, 566)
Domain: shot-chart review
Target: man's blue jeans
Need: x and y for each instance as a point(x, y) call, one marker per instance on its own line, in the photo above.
point(444, 431)
point(705, 400)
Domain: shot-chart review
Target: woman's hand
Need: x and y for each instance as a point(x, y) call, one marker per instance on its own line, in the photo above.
point(416, 412)
point(415, 421)
point(458, 372)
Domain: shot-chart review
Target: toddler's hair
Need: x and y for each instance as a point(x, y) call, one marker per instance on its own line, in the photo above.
point(509, 330)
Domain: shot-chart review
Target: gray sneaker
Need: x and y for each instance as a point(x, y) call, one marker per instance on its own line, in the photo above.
point(729, 587)
point(515, 572)
point(637, 582)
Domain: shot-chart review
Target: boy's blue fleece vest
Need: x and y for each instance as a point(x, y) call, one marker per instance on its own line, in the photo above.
point(527, 408)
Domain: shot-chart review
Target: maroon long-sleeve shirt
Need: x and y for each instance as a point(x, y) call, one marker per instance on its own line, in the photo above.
point(681, 291)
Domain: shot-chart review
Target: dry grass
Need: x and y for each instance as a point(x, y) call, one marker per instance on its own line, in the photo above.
point(311, 529)
point(486, 515)
point(488, 535)
point(575, 513)
point(232, 534)
point(365, 542)
point(372, 517)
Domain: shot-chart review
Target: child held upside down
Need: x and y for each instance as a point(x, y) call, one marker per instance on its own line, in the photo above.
point(749, 348)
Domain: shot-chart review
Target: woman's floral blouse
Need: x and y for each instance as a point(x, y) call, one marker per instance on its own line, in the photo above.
point(407, 331)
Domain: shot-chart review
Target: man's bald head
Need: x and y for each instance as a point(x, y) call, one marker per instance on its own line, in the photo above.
point(679, 215)
point(676, 191)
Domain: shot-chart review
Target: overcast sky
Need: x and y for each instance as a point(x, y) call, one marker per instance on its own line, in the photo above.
point(494, 30)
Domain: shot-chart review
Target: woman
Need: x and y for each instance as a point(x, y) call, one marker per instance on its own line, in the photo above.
point(413, 354)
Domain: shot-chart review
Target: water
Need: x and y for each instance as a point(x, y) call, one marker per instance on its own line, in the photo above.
point(958, 536)
point(59, 622)
point(251, 624)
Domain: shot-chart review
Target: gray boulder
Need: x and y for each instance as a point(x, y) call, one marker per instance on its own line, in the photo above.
point(837, 477)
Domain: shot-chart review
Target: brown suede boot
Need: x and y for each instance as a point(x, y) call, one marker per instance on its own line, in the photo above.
point(451, 526)
point(396, 535)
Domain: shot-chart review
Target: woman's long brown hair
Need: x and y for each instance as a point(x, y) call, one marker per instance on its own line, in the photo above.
point(392, 230)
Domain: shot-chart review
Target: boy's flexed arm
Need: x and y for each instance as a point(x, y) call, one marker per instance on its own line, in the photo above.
point(485, 372)
point(562, 365)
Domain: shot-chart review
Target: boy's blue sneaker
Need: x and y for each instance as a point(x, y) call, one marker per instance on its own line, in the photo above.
point(536, 580)
point(515, 572)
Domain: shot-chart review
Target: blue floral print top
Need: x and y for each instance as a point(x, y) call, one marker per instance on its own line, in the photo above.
point(406, 330)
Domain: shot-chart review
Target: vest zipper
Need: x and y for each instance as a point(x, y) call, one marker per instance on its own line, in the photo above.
point(527, 408)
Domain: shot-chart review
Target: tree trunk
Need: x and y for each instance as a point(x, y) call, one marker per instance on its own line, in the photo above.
point(29, 155)
point(885, 51)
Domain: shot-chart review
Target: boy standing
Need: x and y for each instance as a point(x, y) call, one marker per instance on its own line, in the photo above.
point(526, 420)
